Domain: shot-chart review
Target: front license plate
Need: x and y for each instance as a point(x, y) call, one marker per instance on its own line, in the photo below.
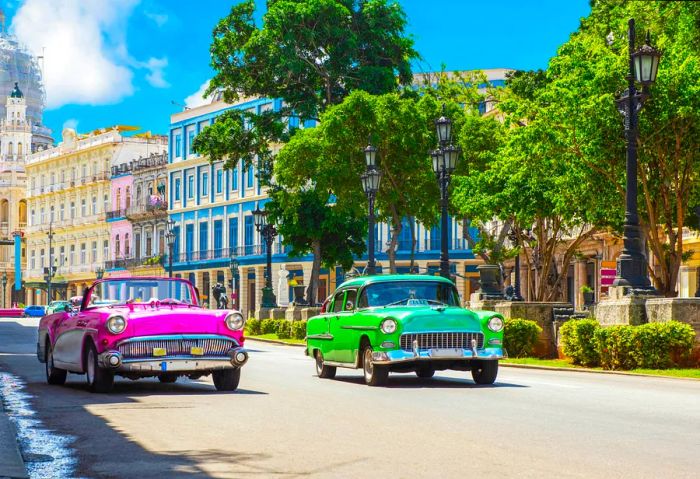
point(196, 351)
point(446, 353)
point(159, 352)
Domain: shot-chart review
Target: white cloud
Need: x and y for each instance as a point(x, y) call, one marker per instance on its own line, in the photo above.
point(159, 19)
point(86, 59)
point(155, 77)
point(70, 123)
point(197, 98)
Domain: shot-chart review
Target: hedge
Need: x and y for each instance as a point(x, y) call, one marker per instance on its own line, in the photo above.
point(647, 346)
point(520, 337)
point(283, 328)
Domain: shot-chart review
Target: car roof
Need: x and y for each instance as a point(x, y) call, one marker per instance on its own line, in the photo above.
point(386, 278)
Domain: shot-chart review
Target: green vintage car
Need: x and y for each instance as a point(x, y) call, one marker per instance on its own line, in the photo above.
point(403, 323)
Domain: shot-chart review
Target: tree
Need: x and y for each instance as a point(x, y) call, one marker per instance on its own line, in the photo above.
point(310, 54)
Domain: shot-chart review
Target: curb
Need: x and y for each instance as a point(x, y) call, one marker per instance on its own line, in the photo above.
point(591, 371)
point(11, 462)
point(274, 341)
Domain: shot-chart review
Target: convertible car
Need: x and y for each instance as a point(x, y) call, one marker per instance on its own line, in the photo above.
point(403, 323)
point(142, 327)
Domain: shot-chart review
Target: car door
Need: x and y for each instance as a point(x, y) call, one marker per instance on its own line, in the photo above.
point(342, 327)
point(333, 352)
point(69, 333)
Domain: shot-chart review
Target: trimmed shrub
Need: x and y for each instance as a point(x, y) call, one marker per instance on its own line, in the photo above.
point(579, 342)
point(253, 326)
point(520, 337)
point(616, 345)
point(299, 329)
point(284, 329)
point(268, 326)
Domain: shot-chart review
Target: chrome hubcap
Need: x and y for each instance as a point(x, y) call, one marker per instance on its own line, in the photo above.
point(319, 363)
point(369, 367)
point(91, 367)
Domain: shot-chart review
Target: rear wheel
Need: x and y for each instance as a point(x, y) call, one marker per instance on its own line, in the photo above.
point(375, 375)
point(226, 379)
point(99, 380)
point(425, 372)
point(167, 378)
point(323, 371)
point(54, 375)
point(485, 372)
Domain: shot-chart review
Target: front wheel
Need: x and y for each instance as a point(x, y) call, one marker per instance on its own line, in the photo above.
point(425, 372)
point(54, 375)
point(485, 372)
point(375, 375)
point(226, 379)
point(322, 370)
point(100, 380)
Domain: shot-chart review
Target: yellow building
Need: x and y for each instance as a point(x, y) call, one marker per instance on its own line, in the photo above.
point(68, 196)
point(689, 275)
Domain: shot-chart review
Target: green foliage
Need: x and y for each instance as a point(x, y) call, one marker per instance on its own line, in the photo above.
point(284, 329)
point(578, 341)
point(253, 326)
point(299, 329)
point(648, 346)
point(268, 326)
point(520, 337)
point(586, 289)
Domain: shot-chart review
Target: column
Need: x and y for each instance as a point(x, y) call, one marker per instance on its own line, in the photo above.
point(579, 280)
point(259, 283)
point(243, 299)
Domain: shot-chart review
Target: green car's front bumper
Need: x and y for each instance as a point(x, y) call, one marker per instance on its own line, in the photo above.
point(399, 356)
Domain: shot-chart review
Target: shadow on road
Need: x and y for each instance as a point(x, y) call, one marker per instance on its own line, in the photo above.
point(437, 382)
point(105, 451)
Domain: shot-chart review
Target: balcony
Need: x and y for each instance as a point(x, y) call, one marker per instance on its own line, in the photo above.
point(62, 185)
point(115, 214)
point(124, 263)
point(152, 208)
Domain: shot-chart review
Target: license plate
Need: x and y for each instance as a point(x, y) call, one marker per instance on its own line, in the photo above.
point(446, 353)
point(196, 351)
point(159, 352)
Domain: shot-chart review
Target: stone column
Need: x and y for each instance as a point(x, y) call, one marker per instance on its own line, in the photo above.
point(306, 268)
point(259, 284)
point(580, 280)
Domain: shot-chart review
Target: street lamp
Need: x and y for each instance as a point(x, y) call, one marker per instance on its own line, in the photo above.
point(371, 179)
point(170, 238)
point(514, 239)
point(99, 272)
point(268, 233)
point(444, 160)
point(4, 287)
point(632, 263)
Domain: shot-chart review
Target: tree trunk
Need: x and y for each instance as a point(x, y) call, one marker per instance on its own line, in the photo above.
point(312, 290)
point(395, 232)
point(413, 245)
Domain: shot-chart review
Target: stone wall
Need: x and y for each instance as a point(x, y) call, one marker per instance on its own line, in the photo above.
point(685, 310)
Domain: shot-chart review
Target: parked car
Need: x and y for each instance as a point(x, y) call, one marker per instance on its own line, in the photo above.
point(35, 310)
point(142, 327)
point(404, 323)
point(57, 306)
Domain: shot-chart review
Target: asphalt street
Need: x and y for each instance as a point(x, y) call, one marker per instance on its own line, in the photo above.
point(286, 422)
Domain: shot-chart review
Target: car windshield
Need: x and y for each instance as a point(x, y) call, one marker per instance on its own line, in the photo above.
point(408, 293)
point(141, 290)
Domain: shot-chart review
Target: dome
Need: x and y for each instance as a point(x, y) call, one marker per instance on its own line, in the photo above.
point(19, 67)
point(16, 93)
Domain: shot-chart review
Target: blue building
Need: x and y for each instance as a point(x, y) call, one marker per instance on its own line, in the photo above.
point(212, 209)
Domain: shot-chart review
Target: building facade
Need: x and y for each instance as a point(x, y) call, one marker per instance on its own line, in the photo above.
point(68, 200)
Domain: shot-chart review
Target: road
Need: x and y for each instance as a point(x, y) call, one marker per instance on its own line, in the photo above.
point(285, 422)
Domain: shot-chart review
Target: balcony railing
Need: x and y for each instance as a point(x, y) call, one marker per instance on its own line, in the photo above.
point(62, 185)
point(134, 262)
point(141, 209)
point(113, 214)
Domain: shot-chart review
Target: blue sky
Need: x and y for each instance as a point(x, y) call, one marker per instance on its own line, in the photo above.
point(124, 61)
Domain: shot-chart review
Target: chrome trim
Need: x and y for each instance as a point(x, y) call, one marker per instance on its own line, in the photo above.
point(176, 336)
point(320, 336)
point(413, 341)
point(361, 328)
point(400, 356)
point(176, 364)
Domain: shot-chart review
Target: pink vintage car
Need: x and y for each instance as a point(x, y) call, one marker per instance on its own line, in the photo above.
point(142, 327)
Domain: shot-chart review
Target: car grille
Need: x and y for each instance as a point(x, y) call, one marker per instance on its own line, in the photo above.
point(176, 347)
point(441, 340)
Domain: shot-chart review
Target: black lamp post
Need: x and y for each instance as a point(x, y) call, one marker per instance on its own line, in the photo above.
point(233, 266)
point(632, 263)
point(99, 272)
point(268, 233)
point(370, 184)
point(170, 238)
point(444, 159)
point(4, 287)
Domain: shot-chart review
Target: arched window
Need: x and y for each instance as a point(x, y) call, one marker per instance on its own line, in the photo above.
point(126, 245)
point(94, 205)
point(19, 148)
point(127, 198)
point(139, 200)
point(119, 199)
point(10, 149)
point(116, 247)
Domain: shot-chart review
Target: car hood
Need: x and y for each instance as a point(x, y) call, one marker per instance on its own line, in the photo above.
point(172, 320)
point(426, 318)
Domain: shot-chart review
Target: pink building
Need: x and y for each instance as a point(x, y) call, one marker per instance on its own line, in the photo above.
point(121, 230)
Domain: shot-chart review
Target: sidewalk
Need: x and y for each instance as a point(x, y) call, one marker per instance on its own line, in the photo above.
point(11, 463)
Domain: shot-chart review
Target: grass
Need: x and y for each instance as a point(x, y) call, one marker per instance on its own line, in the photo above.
point(274, 337)
point(692, 373)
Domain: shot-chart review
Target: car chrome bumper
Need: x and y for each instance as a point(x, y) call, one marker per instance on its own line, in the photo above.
point(114, 361)
point(400, 356)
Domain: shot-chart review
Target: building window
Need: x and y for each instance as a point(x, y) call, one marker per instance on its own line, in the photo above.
point(190, 141)
point(32, 260)
point(177, 189)
point(178, 146)
point(72, 254)
point(149, 244)
point(249, 177)
point(93, 252)
point(118, 205)
point(51, 218)
point(94, 205)
point(234, 179)
point(249, 234)
point(219, 181)
point(72, 210)
point(137, 245)
point(43, 216)
point(63, 211)
point(83, 258)
point(33, 217)
point(62, 257)
point(105, 203)
point(127, 249)
point(41, 258)
point(83, 207)
point(203, 237)
point(205, 184)
point(190, 186)
point(105, 250)
point(127, 199)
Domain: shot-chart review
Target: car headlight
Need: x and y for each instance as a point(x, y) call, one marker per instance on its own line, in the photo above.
point(116, 324)
point(235, 321)
point(495, 324)
point(388, 326)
